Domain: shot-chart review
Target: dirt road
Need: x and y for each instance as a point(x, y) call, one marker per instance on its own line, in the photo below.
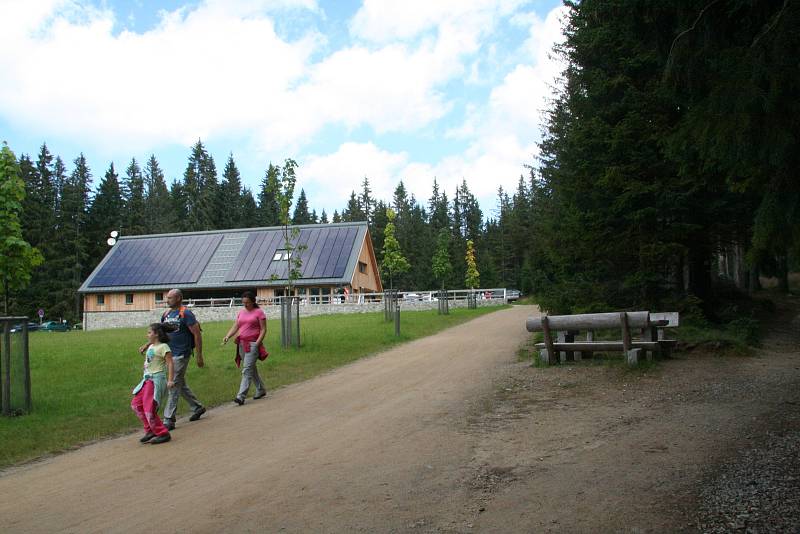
point(445, 434)
point(378, 444)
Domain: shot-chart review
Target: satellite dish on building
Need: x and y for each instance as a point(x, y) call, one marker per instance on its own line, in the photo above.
point(111, 241)
point(114, 234)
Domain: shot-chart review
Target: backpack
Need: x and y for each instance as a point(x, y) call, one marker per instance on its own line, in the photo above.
point(182, 315)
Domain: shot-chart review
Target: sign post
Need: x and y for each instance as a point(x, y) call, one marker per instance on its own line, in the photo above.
point(40, 313)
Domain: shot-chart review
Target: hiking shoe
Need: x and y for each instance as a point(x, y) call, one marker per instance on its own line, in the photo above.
point(196, 415)
point(147, 437)
point(169, 424)
point(163, 438)
point(238, 401)
point(260, 395)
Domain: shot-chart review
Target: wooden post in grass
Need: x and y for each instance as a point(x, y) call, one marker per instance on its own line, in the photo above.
point(297, 322)
point(283, 322)
point(27, 365)
point(397, 319)
point(5, 366)
point(288, 321)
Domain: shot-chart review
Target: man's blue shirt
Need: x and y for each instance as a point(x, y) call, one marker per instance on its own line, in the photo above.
point(181, 341)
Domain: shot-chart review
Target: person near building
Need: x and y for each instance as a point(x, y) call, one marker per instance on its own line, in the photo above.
point(185, 339)
point(250, 328)
point(157, 378)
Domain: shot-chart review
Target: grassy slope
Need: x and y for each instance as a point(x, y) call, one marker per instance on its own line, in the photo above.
point(82, 380)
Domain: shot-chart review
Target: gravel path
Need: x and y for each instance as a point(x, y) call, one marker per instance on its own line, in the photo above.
point(759, 491)
point(758, 488)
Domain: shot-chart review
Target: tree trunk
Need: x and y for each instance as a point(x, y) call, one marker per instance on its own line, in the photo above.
point(700, 273)
point(740, 271)
point(783, 273)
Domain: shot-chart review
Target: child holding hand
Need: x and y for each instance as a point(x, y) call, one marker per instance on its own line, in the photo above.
point(158, 376)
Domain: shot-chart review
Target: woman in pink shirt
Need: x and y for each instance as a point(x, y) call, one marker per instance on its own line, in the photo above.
point(250, 327)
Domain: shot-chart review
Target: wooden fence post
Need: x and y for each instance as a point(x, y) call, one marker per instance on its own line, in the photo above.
point(6, 368)
point(548, 341)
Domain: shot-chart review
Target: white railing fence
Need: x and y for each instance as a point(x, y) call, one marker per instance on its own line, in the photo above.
point(493, 294)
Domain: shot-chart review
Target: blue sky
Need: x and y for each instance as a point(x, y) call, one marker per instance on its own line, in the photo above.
point(451, 89)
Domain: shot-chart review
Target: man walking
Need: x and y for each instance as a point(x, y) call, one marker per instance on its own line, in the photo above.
point(185, 338)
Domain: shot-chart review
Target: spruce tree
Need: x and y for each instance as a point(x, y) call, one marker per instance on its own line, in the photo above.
point(353, 213)
point(438, 209)
point(249, 218)
point(733, 65)
point(618, 217)
point(199, 190)
point(105, 216)
point(301, 214)
point(159, 216)
point(268, 207)
point(379, 222)
point(365, 201)
point(135, 217)
point(230, 197)
point(71, 258)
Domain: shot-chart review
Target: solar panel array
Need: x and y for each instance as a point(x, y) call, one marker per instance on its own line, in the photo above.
point(327, 252)
point(157, 261)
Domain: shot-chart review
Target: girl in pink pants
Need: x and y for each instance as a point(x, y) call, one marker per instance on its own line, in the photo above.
point(148, 393)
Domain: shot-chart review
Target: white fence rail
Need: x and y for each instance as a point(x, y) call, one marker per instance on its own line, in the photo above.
point(495, 294)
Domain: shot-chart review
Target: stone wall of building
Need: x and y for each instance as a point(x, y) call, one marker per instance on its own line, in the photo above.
point(104, 320)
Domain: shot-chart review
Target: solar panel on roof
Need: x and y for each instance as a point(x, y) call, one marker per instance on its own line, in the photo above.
point(325, 256)
point(157, 261)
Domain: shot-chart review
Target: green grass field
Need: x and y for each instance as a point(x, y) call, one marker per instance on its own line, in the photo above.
point(82, 381)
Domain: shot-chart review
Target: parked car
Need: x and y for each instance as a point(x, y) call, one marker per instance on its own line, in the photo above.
point(54, 326)
point(412, 296)
point(31, 327)
point(513, 294)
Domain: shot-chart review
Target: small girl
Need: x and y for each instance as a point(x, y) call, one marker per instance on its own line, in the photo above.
point(148, 394)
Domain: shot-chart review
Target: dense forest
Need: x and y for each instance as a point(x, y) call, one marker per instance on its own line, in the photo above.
point(667, 176)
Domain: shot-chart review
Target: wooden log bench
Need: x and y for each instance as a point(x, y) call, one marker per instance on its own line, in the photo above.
point(566, 348)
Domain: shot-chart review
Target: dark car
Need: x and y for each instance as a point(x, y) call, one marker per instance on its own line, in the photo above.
point(31, 327)
point(54, 326)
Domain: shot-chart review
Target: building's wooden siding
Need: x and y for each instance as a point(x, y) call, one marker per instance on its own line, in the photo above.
point(142, 301)
point(264, 293)
point(369, 281)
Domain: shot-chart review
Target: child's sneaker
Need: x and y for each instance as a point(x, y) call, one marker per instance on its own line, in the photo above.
point(163, 438)
point(147, 437)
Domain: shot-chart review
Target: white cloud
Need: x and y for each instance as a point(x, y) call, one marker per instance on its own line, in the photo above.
point(198, 73)
point(328, 179)
point(215, 70)
point(388, 20)
point(502, 137)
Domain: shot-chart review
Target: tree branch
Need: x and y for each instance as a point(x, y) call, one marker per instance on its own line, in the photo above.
point(771, 25)
point(688, 30)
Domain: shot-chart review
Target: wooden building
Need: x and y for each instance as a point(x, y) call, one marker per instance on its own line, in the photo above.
point(137, 272)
